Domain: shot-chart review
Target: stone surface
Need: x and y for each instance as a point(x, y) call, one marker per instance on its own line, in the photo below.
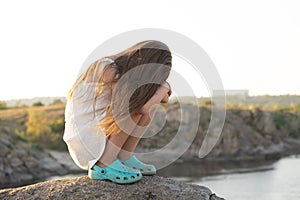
point(150, 187)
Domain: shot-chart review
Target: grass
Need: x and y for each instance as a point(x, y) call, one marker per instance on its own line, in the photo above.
point(13, 121)
point(279, 119)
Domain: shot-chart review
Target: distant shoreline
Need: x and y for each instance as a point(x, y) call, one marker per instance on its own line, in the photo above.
point(47, 100)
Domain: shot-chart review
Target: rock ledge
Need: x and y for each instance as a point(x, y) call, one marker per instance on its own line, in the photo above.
point(150, 187)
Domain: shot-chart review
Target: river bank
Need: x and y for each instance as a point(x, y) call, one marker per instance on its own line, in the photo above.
point(248, 136)
point(185, 166)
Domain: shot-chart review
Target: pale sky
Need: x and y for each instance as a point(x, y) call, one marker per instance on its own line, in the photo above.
point(255, 45)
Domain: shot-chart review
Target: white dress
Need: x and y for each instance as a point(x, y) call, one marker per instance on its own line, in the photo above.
point(84, 138)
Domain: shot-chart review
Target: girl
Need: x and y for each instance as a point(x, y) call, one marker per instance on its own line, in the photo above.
point(108, 110)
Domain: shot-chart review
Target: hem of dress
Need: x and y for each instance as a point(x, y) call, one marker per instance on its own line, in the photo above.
point(91, 163)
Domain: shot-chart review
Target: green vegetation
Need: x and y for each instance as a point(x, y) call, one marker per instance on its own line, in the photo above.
point(57, 102)
point(287, 103)
point(3, 105)
point(36, 104)
point(45, 130)
point(296, 133)
point(57, 125)
point(173, 101)
point(38, 129)
point(279, 119)
point(42, 126)
point(297, 108)
point(207, 103)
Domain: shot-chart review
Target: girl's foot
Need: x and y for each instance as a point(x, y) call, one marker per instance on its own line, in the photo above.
point(115, 172)
point(134, 163)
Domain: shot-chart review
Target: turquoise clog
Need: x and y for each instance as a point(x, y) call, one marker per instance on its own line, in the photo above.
point(134, 163)
point(115, 172)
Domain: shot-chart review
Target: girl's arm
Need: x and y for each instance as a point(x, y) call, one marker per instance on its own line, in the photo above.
point(166, 97)
point(160, 96)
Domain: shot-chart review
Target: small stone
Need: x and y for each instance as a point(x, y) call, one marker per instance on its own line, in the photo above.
point(20, 152)
point(51, 165)
point(4, 150)
point(1, 164)
point(30, 162)
point(15, 162)
point(5, 141)
point(26, 177)
point(8, 171)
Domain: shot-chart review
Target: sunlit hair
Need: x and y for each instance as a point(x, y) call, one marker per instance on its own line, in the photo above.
point(157, 59)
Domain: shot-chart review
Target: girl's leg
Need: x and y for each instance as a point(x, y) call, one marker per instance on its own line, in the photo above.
point(132, 141)
point(115, 144)
point(134, 138)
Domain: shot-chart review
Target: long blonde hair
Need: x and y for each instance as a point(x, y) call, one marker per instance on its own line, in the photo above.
point(153, 53)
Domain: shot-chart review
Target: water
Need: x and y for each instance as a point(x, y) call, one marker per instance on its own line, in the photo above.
point(283, 182)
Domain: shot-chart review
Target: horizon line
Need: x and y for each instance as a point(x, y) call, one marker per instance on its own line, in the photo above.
point(252, 95)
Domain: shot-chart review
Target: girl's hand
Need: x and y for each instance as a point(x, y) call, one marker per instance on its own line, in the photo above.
point(160, 96)
point(166, 97)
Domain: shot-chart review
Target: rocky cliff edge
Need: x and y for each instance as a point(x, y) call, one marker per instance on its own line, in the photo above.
point(150, 187)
